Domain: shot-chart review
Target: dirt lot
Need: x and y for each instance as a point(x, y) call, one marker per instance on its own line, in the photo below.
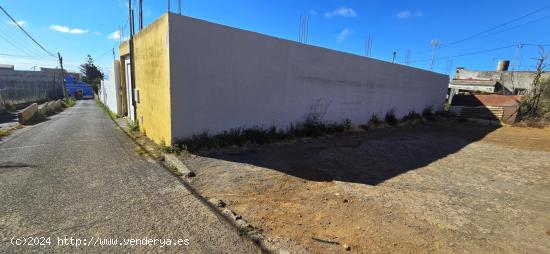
point(442, 187)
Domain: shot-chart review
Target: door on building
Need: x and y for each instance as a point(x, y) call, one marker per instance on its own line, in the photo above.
point(129, 91)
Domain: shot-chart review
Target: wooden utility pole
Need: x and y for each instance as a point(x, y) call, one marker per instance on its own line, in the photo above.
point(132, 65)
point(62, 75)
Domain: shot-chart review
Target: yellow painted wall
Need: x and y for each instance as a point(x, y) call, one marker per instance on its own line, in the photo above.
point(152, 79)
point(123, 51)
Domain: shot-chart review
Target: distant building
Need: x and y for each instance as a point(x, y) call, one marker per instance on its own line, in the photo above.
point(78, 89)
point(501, 81)
point(7, 67)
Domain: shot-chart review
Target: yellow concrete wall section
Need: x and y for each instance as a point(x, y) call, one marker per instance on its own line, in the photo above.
point(152, 76)
point(124, 107)
point(124, 50)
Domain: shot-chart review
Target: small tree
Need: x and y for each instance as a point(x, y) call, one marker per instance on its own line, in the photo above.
point(91, 73)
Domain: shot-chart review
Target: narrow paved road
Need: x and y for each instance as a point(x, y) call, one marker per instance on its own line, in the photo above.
point(76, 175)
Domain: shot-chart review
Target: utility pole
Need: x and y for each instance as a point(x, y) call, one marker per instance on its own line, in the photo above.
point(434, 44)
point(394, 55)
point(132, 65)
point(179, 7)
point(516, 57)
point(449, 66)
point(62, 74)
point(140, 15)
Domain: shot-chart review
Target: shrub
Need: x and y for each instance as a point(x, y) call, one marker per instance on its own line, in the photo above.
point(428, 114)
point(412, 118)
point(257, 135)
point(69, 101)
point(8, 106)
point(133, 128)
point(374, 122)
point(390, 118)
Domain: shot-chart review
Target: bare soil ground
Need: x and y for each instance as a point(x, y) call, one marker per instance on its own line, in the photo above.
point(442, 187)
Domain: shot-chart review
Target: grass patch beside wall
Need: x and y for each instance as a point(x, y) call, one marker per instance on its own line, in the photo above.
point(106, 109)
point(313, 127)
point(258, 135)
point(69, 102)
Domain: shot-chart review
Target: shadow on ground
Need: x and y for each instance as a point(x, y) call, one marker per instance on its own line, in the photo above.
point(367, 157)
point(8, 117)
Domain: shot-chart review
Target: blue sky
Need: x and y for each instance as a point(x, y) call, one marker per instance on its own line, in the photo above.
point(77, 28)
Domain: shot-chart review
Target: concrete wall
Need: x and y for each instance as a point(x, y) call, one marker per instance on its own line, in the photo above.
point(1, 103)
point(510, 80)
point(110, 90)
point(223, 78)
point(21, 87)
point(152, 80)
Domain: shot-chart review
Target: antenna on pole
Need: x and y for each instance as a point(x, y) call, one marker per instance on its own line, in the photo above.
point(394, 55)
point(435, 44)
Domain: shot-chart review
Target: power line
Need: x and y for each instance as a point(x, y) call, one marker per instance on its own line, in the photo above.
point(499, 26)
point(20, 44)
point(468, 54)
point(15, 22)
point(495, 27)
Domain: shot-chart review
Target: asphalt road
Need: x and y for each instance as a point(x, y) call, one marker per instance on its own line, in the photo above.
point(77, 176)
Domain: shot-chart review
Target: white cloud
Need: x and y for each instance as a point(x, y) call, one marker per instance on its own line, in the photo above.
point(64, 29)
point(114, 36)
point(408, 14)
point(21, 23)
point(342, 11)
point(97, 33)
point(343, 35)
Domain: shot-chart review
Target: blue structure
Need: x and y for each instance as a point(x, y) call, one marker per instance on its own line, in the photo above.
point(78, 89)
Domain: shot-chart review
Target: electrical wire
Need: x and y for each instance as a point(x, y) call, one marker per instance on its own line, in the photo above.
point(20, 27)
point(468, 54)
point(445, 45)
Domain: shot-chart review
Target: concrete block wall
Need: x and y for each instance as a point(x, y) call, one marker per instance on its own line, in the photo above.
point(223, 78)
point(21, 87)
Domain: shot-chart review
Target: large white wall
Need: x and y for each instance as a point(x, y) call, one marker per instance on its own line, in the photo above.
point(223, 78)
point(110, 90)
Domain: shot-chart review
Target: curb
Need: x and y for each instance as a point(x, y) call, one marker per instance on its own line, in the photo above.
point(178, 165)
point(177, 168)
